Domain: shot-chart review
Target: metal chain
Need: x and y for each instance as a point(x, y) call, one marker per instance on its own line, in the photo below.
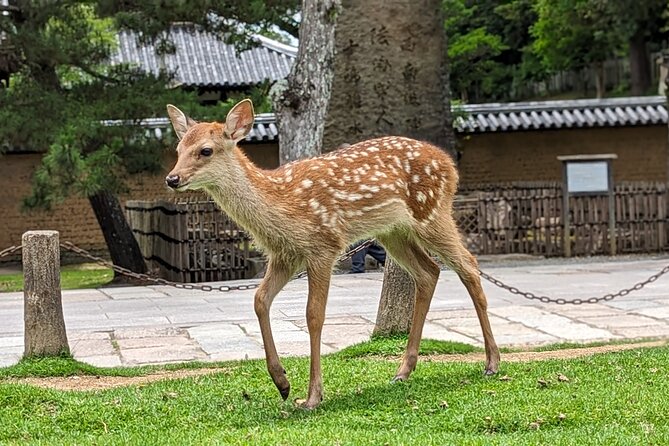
point(578, 301)
point(9, 251)
point(157, 280)
point(227, 288)
point(187, 286)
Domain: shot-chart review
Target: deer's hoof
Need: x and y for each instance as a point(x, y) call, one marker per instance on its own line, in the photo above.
point(285, 391)
point(489, 372)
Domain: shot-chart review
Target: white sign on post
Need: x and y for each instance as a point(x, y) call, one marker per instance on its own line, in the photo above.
point(588, 177)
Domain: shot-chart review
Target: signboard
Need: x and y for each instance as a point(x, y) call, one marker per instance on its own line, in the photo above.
point(587, 177)
point(584, 175)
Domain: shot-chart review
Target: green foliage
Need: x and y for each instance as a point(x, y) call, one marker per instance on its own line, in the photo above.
point(487, 43)
point(71, 277)
point(64, 93)
point(574, 34)
point(615, 399)
point(395, 346)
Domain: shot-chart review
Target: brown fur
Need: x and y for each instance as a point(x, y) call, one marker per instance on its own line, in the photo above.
point(305, 213)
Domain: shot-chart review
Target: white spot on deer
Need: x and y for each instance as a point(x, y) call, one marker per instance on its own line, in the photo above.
point(372, 149)
point(407, 166)
point(431, 193)
point(421, 197)
point(341, 183)
point(331, 172)
point(364, 187)
point(428, 169)
point(435, 164)
point(307, 183)
point(410, 155)
point(363, 153)
point(416, 153)
point(323, 183)
point(415, 179)
point(356, 178)
point(314, 204)
point(346, 177)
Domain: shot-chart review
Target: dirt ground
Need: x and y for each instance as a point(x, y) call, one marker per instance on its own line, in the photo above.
point(93, 383)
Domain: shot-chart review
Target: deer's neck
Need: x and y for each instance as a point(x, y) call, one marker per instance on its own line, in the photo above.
point(243, 191)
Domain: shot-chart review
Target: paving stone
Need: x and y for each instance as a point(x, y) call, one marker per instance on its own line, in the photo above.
point(661, 312)
point(340, 336)
point(634, 304)
point(624, 320)
point(299, 348)
point(432, 330)
point(155, 341)
point(7, 360)
point(651, 331)
point(134, 314)
point(554, 324)
point(146, 321)
point(583, 311)
point(14, 350)
point(10, 341)
point(206, 315)
point(162, 354)
point(146, 332)
point(73, 335)
point(92, 347)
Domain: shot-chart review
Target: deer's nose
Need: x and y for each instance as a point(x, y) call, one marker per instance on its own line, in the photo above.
point(172, 181)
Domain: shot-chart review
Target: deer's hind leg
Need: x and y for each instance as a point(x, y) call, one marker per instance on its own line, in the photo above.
point(277, 275)
point(442, 236)
point(425, 273)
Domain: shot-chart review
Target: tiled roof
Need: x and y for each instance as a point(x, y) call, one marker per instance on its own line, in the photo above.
point(615, 112)
point(264, 127)
point(518, 116)
point(203, 60)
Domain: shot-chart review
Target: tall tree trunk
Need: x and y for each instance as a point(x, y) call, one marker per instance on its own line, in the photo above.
point(639, 63)
point(391, 78)
point(123, 248)
point(301, 101)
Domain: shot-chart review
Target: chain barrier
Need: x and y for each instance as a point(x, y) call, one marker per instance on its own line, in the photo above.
point(560, 301)
point(68, 246)
point(9, 251)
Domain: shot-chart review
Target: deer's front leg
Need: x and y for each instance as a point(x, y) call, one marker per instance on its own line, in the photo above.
point(276, 277)
point(319, 282)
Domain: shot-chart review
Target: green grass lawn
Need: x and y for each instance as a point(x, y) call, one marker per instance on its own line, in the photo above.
point(71, 277)
point(609, 399)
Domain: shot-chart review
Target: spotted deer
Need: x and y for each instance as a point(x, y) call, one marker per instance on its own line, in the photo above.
point(304, 214)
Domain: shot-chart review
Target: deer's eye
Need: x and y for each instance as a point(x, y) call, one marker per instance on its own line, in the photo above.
point(206, 151)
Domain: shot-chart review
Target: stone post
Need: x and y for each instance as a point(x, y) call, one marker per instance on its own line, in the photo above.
point(43, 310)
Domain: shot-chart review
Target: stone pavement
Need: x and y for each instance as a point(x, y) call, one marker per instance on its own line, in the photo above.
point(158, 324)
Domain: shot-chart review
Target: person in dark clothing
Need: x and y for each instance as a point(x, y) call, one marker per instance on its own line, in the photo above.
point(358, 259)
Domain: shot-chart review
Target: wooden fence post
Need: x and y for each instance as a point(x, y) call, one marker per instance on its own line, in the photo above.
point(43, 309)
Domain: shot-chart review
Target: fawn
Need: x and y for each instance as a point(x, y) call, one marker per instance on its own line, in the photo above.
point(305, 213)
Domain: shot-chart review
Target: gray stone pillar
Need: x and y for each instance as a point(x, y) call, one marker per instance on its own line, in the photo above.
point(43, 309)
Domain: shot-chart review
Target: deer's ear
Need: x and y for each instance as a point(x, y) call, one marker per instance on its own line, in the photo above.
point(239, 121)
point(180, 121)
